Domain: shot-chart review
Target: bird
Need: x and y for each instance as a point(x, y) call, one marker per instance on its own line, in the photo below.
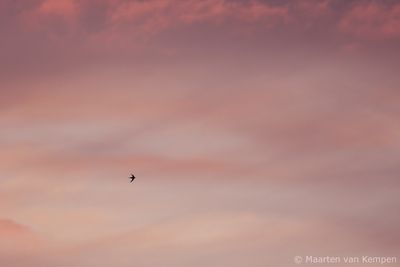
point(132, 177)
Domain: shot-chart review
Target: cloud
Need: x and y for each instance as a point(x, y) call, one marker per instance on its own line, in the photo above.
point(71, 34)
point(194, 236)
point(17, 238)
point(20, 246)
point(109, 24)
point(372, 20)
point(221, 239)
point(10, 227)
point(63, 8)
point(139, 18)
point(242, 120)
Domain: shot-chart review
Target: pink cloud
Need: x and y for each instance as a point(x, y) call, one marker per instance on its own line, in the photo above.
point(61, 7)
point(372, 21)
point(264, 14)
point(9, 227)
point(314, 8)
point(16, 238)
point(172, 12)
point(47, 12)
point(100, 27)
point(128, 21)
point(148, 16)
point(109, 25)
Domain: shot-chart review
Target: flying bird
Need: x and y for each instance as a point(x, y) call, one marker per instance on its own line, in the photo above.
point(132, 177)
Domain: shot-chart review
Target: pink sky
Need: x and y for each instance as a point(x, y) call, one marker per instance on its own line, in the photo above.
point(258, 131)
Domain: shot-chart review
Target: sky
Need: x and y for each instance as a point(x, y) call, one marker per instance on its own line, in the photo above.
point(258, 130)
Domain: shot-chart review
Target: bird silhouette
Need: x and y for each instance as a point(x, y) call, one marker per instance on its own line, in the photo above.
point(132, 177)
